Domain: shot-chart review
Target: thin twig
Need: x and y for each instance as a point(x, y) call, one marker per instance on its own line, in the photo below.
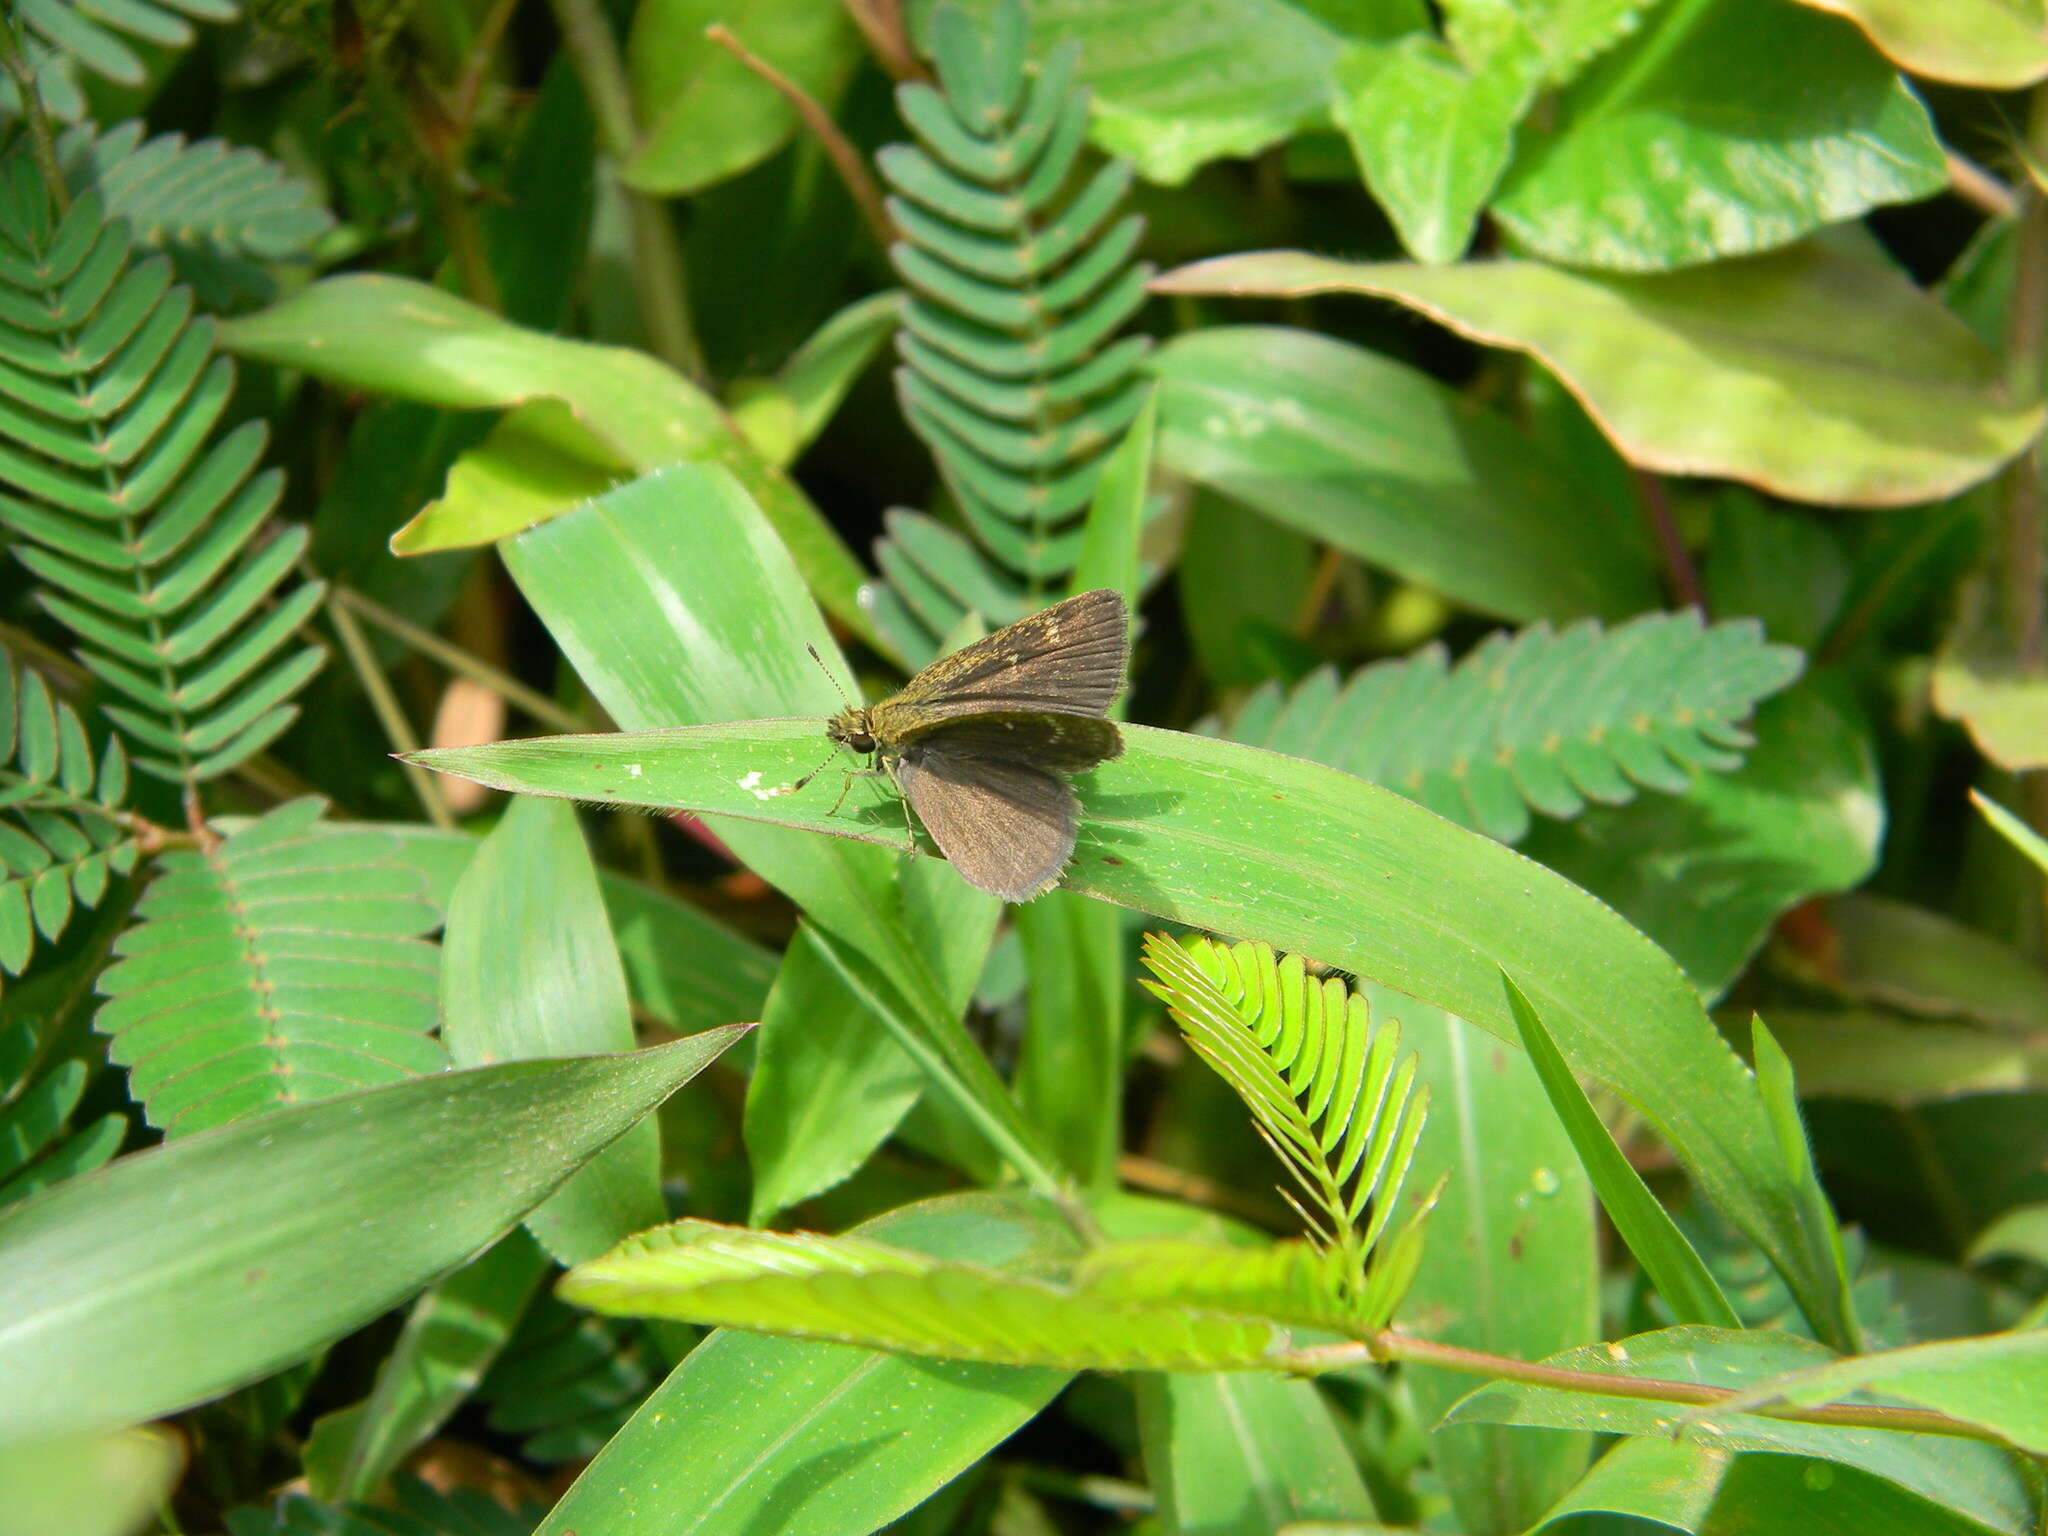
point(1159, 1178)
point(851, 165)
point(658, 280)
point(398, 730)
point(464, 663)
point(1979, 188)
point(1389, 1345)
point(1316, 597)
point(42, 142)
point(881, 23)
point(481, 51)
point(1679, 574)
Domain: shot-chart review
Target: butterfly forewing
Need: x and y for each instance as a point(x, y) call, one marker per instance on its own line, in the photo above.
point(1008, 828)
point(1063, 743)
point(1067, 660)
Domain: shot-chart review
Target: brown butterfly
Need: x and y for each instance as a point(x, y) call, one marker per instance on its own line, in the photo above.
point(978, 740)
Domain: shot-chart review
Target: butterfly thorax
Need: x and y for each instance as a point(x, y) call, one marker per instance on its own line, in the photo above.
point(853, 730)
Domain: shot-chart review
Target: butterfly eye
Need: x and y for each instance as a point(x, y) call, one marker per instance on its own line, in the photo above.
point(861, 741)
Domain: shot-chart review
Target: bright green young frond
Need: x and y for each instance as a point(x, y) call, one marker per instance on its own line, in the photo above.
point(285, 964)
point(63, 829)
point(1326, 1086)
point(38, 1143)
point(146, 533)
point(1535, 717)
point(853, 1290)
point(1017, 286)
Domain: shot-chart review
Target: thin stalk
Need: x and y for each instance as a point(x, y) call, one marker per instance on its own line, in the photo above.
point(881, 23)
point(469, 88)
point(657, 254)
point(848, 161)
point(42, 142)
point(464, 663)
point(1390, 1345)
point(2026, 327)
point(1679, 574)
point(1979, 188)
point(397, 729)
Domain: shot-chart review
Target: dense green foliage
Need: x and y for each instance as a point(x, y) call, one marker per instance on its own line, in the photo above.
point(1545, 1026)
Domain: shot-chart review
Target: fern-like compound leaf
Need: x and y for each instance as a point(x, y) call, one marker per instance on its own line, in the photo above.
point(39, 1145)
point(1326, 1086)
point(418, 1509)
point(1535, 718)
point(283, 965)
point(59, 38)
point(568, 1381)
point(144, 530)
point(209, 195)
point(64, 831)
point(854, 1290)
point(1017, 282)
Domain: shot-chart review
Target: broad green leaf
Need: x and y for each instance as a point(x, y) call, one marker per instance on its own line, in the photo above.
point(1070, 1070)
point(1225, 837)
point(1923, 962)
point(1780, 565)
point(1242, 580)
point(1862, 1053)
point(1775, 142)
point(173, 1275)
point(452, 1334)
point(529, 970)
point(1980, 680)
point(1386, 464)
point(782, 415)
point(1671, 1482)
point(686, 969)
point(675, 601)
point(108, 1485)
point(1999, 1382)
point(2023, 1231)
point(2000, 45)
point(1802, 816)
point(1178, 83)
point(1670, 1262)
point(1432, 133)
point(1511, 1264)
point(1978, 1481)
point(1561, 37)
point(751, 1433)
point(1244, 1454)
point(535, 461)
point(405, 339)
point(1808, 373)
point(825, 1091)
point(705, 116)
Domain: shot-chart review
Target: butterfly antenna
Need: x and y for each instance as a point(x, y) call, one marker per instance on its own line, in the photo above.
point(830, 679)
point(800, 783)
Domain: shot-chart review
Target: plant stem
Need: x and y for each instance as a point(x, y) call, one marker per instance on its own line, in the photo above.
point(657, 255)
point(2026, 324)
point(1679, 574)
point(1390, 1345)
point(397, 729)
point(457, 660)
point(42, 142)
point(846, 160)
point(881, 23)
point(1979, 188)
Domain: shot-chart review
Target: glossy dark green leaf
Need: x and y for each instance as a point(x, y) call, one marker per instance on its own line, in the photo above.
point(1245, 1453)
point(529, 969)
point(1383, 462)
point(173, 1275)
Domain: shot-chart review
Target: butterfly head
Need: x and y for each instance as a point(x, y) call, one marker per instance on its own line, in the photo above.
point(852, 729)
